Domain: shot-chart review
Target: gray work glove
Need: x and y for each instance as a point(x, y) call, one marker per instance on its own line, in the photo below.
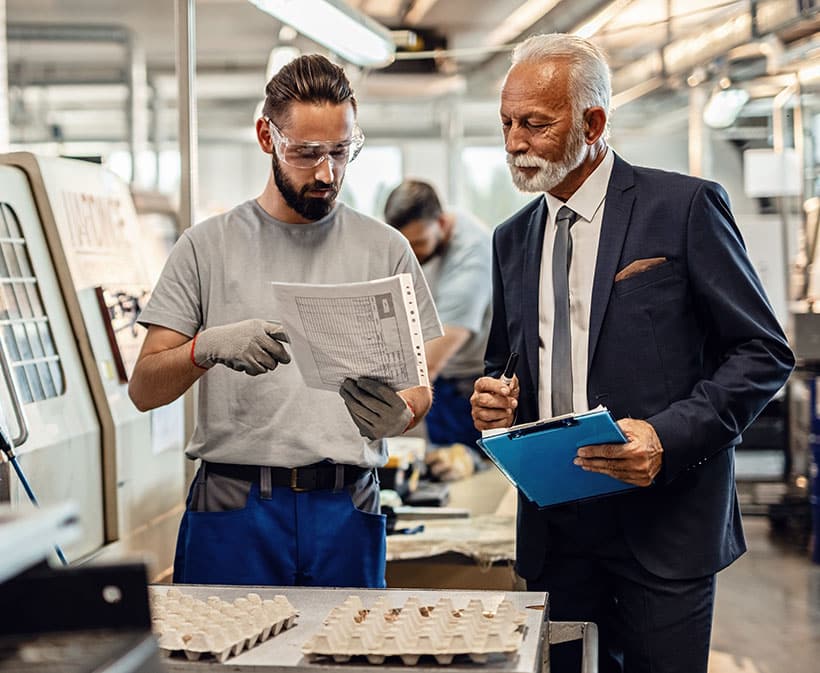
point(375, 409)
point(250, 346)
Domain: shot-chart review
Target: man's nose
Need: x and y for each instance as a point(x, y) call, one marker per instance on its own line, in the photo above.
point(515, 141)
point(324, 171)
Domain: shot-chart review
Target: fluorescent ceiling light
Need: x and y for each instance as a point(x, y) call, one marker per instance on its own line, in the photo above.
point(335, 25)
point(723, 107)
point(521, 19)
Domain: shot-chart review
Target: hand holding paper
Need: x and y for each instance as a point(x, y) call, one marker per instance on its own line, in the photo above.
point(636, 462)
point(375, 408)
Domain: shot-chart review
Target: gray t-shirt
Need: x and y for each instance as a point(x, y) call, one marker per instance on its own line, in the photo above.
point(218, 273)
point(462, 285)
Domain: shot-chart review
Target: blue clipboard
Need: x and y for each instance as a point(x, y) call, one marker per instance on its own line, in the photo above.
point(537, 457)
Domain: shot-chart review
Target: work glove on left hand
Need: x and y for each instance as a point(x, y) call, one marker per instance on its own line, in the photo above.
point(375, 408)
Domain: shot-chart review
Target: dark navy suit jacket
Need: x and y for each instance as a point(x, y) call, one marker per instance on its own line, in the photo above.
point(692, 346)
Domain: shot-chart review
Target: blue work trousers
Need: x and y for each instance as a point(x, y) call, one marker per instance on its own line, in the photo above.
point(450, 420)
point(308, 538)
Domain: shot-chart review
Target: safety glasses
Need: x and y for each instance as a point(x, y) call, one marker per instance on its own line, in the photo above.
point(311, 153)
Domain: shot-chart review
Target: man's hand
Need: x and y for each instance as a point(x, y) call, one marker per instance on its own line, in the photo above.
point(375, 408)
point(250, 346)
point(636, 462)
point(494, 403)
point(450, 463)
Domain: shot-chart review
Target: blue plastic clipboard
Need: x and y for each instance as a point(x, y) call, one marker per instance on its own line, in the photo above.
point(537, 457)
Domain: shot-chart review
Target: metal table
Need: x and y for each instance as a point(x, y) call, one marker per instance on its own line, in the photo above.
point(283, 653)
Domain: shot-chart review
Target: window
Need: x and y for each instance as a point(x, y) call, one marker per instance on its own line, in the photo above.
point(488, 189)
point(26, 331)
point(371, 178)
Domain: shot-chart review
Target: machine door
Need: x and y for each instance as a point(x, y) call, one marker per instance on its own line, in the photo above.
point(47, 402)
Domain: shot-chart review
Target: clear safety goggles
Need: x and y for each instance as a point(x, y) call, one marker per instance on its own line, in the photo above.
point(311, 153)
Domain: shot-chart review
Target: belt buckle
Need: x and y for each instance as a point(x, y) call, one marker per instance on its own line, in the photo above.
point(294, 481)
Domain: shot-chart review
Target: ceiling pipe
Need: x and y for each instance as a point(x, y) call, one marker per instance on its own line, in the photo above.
point(562, 18)
point(778, 105)
point(46, 32)
point(681, 56)
point(135, 70)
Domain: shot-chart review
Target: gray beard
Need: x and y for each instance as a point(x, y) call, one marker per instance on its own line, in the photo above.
point(550, 173)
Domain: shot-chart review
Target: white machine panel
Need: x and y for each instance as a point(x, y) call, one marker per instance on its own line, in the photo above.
point(61, 456)
point(105, 265)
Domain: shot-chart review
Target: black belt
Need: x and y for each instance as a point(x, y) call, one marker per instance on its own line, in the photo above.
point(316, 477)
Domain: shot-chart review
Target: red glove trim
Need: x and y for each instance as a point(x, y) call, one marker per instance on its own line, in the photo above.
point(193, 345)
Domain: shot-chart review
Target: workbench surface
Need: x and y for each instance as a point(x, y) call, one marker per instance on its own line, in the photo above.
point(283, 653)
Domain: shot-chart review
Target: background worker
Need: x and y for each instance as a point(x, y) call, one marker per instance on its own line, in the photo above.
point(628, 287)
point(287, 479)
point(454, 250)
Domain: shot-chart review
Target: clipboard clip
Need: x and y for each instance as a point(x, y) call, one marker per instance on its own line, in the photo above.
point(542, 427)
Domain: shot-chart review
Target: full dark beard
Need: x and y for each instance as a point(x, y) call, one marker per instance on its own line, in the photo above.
point(309, 208)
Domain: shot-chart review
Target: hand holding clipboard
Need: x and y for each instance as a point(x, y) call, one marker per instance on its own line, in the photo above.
point(538, 458)
point(636, 462)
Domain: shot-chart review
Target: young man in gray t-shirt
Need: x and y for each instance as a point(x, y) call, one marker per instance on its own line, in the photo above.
point(287, 479)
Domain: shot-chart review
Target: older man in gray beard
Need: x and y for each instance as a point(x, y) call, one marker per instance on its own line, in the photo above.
point(631, 288)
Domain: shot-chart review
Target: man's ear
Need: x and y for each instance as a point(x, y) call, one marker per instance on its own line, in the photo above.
point(446, 222)
point(263, 136)
point(594, 124)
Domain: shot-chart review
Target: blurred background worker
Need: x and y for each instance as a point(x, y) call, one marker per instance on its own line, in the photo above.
point(454, 249)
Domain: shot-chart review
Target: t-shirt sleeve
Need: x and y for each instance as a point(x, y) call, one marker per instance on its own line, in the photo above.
point(175, 302)
point(407, 263)
point(464, 287)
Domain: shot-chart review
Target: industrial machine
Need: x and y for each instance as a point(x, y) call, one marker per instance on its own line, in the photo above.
point(82, 619)
point(75, 268)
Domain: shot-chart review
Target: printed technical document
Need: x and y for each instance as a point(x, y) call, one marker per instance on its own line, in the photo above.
point(352, 330)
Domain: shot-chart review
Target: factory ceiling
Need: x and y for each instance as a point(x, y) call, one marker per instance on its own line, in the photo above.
point(70, 62)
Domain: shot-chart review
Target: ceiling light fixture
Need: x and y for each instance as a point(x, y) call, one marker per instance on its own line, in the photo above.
point(335, 25)
point(723, 107)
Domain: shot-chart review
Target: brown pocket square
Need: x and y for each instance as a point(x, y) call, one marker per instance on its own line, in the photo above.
point(638, 266)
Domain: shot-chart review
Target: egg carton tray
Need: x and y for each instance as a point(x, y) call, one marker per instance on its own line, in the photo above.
point(415, 630)
point(215, 627)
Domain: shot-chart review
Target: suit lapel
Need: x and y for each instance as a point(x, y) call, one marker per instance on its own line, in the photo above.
point(531, 286)
point(617, 212)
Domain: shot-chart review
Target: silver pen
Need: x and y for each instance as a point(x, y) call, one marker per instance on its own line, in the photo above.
point(509, 370)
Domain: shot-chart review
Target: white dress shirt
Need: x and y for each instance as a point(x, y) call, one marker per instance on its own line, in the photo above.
point(588, 202)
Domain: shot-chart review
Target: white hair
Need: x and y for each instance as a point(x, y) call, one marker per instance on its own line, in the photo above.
point(590, 82)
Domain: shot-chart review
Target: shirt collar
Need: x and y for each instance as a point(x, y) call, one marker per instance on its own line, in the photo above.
point(590, 195)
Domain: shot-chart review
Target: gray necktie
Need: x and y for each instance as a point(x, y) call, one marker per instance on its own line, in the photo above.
point(561, 338)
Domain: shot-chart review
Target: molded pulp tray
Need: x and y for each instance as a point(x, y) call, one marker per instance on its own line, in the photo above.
point(415, 630)
point(216, 627)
